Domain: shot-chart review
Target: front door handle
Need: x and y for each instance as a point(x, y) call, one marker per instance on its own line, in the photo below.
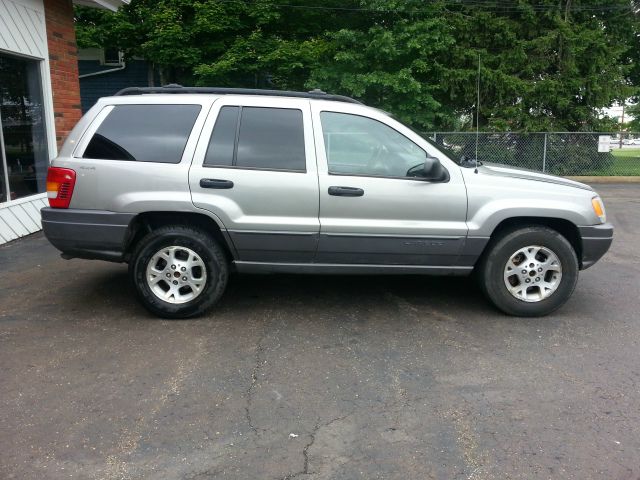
point(215, 183)
point(346, 191)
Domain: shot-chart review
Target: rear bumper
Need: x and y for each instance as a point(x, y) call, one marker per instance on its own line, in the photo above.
point(91, 234)
point(596, 240)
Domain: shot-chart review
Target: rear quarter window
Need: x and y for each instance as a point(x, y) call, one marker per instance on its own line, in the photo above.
point(143, 133)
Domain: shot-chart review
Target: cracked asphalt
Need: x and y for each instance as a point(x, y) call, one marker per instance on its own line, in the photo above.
point(319, 377)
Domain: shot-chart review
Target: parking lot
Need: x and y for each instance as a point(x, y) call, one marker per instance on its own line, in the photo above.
point(319, 377)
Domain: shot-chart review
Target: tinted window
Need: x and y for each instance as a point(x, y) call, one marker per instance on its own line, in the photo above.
point(271, 138)
point(358, 145)
point(222, 142)
point(144, 133)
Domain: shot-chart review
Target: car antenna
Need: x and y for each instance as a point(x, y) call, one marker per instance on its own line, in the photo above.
point(477, 113)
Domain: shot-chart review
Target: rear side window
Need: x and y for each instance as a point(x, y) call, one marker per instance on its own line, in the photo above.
point(144, 133)
point(264, 138)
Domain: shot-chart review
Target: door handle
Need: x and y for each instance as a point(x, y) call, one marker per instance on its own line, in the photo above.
point(215, 183)
point(346, 191)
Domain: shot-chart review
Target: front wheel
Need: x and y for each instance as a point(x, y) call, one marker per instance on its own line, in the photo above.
point(529, 272)
point(178, 271)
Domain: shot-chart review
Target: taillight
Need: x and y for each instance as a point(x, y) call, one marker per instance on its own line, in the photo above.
point(60, 183)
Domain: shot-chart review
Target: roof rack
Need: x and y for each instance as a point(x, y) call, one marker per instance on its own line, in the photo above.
point(175, 89)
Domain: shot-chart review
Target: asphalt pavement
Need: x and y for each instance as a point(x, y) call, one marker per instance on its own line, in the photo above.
point(319, 377)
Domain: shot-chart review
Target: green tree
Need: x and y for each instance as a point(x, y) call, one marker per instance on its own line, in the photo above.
point(397, 62)
point(175, 35)
point(543, 67)
point(633, 111)
point(278, 46)
point(545, 64)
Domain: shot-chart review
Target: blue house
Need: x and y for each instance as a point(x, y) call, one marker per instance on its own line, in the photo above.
point(103, 72)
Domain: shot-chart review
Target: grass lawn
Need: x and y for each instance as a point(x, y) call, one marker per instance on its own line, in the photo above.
point(627, 161)
point(626, 152)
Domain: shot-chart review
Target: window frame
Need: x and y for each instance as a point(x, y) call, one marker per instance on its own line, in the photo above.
point(41, 77)
point(338, 174)
point(319, 106)
point(234, 159)
point(107, 108)
point(107, 61)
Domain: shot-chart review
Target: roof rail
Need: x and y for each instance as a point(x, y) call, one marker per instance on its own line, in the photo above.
point(175, 88)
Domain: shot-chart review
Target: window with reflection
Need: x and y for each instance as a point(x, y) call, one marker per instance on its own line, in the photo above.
point(24, 156)
point(358, 145)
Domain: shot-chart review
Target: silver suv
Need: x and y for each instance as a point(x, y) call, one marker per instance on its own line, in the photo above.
point(186, 184)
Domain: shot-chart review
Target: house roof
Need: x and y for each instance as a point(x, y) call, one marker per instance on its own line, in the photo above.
point(112, 5)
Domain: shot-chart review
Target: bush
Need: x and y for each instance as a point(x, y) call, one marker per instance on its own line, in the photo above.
point(577, 154)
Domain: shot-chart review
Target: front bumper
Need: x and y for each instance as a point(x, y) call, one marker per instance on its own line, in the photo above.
point(91, 234)
point(596, 240)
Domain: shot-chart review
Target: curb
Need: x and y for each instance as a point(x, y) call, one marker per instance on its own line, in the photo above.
point(621, 179)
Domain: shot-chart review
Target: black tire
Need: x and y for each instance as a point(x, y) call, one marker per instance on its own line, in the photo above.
point(492, 269)
point(212, 255)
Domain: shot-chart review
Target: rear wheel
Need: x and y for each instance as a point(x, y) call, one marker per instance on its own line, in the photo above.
point(529, 271)
point(178, 271)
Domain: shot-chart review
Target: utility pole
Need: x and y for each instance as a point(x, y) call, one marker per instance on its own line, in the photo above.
point(622, 123)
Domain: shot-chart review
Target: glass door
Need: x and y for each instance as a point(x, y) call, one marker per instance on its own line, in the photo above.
point(23, 143)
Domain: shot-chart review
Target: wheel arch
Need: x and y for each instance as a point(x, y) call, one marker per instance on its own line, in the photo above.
point(564, 227)
point(146, 222)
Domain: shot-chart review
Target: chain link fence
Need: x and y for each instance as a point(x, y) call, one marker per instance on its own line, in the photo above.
point(558, 153)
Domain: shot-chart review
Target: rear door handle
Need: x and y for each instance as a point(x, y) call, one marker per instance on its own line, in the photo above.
point(215, 183)
point(346, 191)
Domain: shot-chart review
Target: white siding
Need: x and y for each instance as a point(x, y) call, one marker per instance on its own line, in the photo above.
point(22, 28)
point(21, 217)
point(23, 32)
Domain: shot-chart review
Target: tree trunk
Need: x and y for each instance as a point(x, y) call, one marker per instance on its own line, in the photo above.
point(162, 76)
point(150, 74)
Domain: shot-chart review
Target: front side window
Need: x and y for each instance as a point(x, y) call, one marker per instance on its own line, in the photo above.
point(358, 145)
point(144, 133)
point(264, 138)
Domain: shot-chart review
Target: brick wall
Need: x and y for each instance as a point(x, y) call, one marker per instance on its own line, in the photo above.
point(63, 63)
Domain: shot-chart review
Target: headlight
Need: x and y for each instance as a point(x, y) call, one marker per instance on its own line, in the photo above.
point(598, 208)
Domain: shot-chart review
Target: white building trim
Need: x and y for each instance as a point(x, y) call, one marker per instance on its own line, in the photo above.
point(112, 5)
point(23, 33)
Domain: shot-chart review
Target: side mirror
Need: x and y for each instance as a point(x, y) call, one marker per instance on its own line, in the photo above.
point(434, 171)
